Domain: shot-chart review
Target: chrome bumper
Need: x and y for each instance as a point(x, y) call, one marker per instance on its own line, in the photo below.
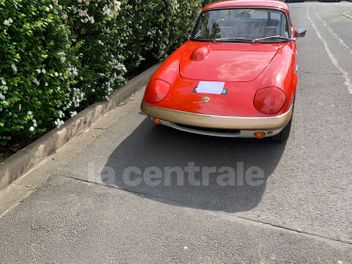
point(199, 123)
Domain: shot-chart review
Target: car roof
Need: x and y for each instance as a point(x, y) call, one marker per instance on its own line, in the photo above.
point(247, 3)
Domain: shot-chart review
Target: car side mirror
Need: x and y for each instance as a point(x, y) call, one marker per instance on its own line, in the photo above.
point(300, 33)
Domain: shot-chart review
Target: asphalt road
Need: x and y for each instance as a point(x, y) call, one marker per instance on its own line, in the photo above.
point(84, 211)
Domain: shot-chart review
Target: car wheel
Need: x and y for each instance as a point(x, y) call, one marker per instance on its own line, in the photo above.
point(284, 134)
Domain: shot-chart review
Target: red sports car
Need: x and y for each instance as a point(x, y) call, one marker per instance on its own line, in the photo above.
point(235, 77)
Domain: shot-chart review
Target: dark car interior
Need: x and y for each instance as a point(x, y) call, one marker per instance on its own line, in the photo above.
point(242, 23)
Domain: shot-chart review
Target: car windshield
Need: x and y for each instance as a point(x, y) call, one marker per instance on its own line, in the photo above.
point(242, 25)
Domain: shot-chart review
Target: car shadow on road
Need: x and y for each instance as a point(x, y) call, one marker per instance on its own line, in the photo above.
point(162, 147)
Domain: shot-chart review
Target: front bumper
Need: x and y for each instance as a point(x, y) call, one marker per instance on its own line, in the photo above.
point(207, 124)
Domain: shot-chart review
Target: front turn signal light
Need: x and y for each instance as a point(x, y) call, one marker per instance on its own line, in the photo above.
point(156, 121)
point(270, 100)
point(260, 135)
point(156, 91)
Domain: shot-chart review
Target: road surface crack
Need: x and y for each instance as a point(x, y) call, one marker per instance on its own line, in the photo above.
point(321, 73)
point(315, 236)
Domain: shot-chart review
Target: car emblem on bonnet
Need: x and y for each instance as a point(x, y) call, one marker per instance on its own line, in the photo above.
point(206, 99)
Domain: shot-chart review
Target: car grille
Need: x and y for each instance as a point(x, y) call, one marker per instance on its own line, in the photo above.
point(213, 130)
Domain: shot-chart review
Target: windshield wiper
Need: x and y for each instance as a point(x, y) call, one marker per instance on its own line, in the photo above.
point(271, 37)
point(232, 40)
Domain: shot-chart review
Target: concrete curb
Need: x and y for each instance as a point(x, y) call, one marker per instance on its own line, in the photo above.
point(28, 158)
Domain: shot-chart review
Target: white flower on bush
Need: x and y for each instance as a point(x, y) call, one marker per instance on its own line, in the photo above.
point(36, 82)
point(112, 10)
point(78, 97)
point(83, 13)
point(14, 68)
point(8, 22)
point(73, 113)
point(62, 56)
point(3, 82)
point(85, 17)
point(39, 71)
point(2, 97)
point(31, 129)
point(61, 114)
point(73, 70)
point(87, 2)
point(59, 123)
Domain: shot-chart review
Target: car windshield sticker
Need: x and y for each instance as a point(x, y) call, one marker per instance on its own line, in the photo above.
point(210, 87)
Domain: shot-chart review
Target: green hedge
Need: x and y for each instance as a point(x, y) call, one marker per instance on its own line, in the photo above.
point(36, 77)
point(58, 56)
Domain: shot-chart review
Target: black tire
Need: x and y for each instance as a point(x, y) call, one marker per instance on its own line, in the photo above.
point(284, 134)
